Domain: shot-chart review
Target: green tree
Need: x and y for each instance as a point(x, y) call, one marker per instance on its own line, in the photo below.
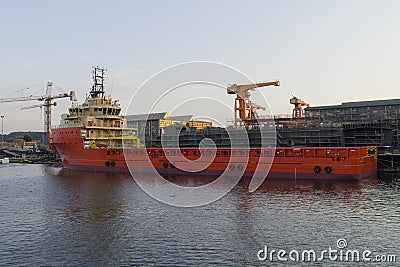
point(27, 138)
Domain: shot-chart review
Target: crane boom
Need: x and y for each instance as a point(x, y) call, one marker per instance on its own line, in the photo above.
point(18, 99)
point(71, 95)
point(33, 106)
point(255, 106)
point(240, 90)
point(47, 103)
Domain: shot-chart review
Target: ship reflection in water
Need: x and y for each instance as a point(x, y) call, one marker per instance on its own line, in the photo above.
point(70, 218)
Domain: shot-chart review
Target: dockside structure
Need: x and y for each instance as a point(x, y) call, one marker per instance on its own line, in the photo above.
point(363, 123)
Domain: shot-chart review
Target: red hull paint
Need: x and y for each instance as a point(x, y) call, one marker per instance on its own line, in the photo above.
point(351, 163)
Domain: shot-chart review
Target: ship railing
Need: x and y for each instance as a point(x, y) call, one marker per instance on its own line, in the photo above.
point(281, 116)
point(336, 154)
point(231, 121)
point(66, 126)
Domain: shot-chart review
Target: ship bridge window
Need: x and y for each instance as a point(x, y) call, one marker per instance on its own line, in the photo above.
point(109, 111)
point(95, 109)
point(104, 111)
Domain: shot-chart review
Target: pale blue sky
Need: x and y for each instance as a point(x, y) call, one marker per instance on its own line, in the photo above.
point(325, 52)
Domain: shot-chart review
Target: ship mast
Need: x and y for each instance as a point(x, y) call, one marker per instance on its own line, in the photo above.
point(98, 82)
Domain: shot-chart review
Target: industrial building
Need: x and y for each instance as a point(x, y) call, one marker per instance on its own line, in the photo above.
point(361, 123)
point(354, 112)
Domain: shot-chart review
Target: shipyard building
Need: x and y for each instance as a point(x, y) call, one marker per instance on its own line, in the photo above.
point(363, 123)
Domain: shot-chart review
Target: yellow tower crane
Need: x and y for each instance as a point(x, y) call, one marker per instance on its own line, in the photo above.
point(246, 111)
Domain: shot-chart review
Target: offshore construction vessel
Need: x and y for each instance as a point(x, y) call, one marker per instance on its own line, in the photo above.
point(94, 136)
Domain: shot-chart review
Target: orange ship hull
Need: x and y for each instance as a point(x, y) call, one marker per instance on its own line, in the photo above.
point(325, 163)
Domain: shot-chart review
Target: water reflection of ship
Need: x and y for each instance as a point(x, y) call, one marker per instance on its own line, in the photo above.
point(289, 186)
point(87, 196)
point(92, 204)
point(280, 185)
point(269, 185)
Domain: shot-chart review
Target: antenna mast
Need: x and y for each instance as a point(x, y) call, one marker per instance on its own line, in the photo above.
point(99, 76)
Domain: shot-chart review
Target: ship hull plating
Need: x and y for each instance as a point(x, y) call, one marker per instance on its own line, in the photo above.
point(318, 163)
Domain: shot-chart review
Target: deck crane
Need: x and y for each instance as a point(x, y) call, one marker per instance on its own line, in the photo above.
point(298, 111)
point(255, 107)
point(246, 111)
point(47, 103)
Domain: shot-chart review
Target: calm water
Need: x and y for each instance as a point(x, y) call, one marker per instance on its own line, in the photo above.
point(72, 218)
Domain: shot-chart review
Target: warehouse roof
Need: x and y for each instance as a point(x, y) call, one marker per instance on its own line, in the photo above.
point(143, 117)
point(184, 118)
point(371, 103)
